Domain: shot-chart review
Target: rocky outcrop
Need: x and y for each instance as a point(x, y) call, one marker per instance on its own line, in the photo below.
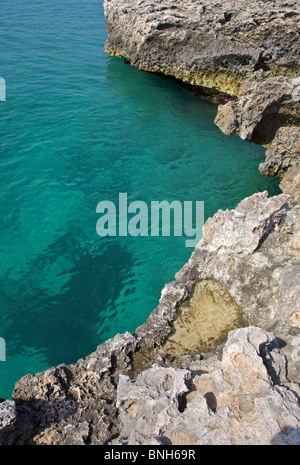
point(244, 397)
point(211, 44)
point(283, 153)
point(291, 185)
point(254, 252)
point(70, 405)
point(243, 49)
point(283, 161)
point(268, 112)
point(231, 401)
point(265, 104)
point(151, 387)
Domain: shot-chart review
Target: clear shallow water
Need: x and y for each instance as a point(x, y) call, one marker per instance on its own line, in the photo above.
point(79, 127)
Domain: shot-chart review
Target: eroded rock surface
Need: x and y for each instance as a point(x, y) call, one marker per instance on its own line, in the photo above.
point(72, 404)
point(246, 391)
point(254, 252)
point(283, 161)
point(207, 43)
point(283, 153)
point(265, 104)
point(231, 401)
point(268, 112)
point(249, 50)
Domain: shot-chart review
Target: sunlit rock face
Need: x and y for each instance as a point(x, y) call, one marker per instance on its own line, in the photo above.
point(211, 44)
point(231, 401)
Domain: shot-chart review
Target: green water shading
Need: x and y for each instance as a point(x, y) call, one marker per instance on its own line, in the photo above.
point(79, 127)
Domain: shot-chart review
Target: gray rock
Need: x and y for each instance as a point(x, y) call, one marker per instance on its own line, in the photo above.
point(266, 112)
point(236, 402)
point(146, 403)
point(7, 417)
point(283, 154)
point(72, 404)
point(254, 252)
point(291, 185)
point(265, 104)
point(283, 161)
point(209, 43)
point(247, 393)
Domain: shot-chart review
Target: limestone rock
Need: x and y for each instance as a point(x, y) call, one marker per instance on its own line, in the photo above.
point(206, 43)
point(266, 111)
point(283, 154)
point(227, 119)
point(235, 403)
point(265, 104)
point(254, 252)
point(283, 161)
point(246, 391)
point(291, 185)
point(72, 404)
point(7, 416)
point(147, 402)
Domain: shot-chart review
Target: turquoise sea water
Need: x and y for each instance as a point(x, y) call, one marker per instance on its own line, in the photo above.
point(79, 127)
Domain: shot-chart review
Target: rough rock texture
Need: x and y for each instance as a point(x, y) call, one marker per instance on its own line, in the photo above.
point(265, 104)
point(246, 391)
point(268, 112)
point(283, 161)
point(7, 414)
point(206, 43)
point(254, 251)
point(248, 49)
point(283, 153)
point(232, 401)
point(72, 404)
point(291, 185)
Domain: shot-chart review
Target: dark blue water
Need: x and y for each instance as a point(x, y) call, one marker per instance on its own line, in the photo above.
point(79, 127)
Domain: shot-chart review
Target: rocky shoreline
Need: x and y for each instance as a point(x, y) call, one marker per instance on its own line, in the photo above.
point(150, 387)
point(212, 44)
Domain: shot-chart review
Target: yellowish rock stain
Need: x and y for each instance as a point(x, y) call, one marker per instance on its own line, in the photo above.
point(201, 324)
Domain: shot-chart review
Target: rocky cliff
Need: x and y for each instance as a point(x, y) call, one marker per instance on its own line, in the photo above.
point(206, 43)
point(218, 361)
point(144, 388)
